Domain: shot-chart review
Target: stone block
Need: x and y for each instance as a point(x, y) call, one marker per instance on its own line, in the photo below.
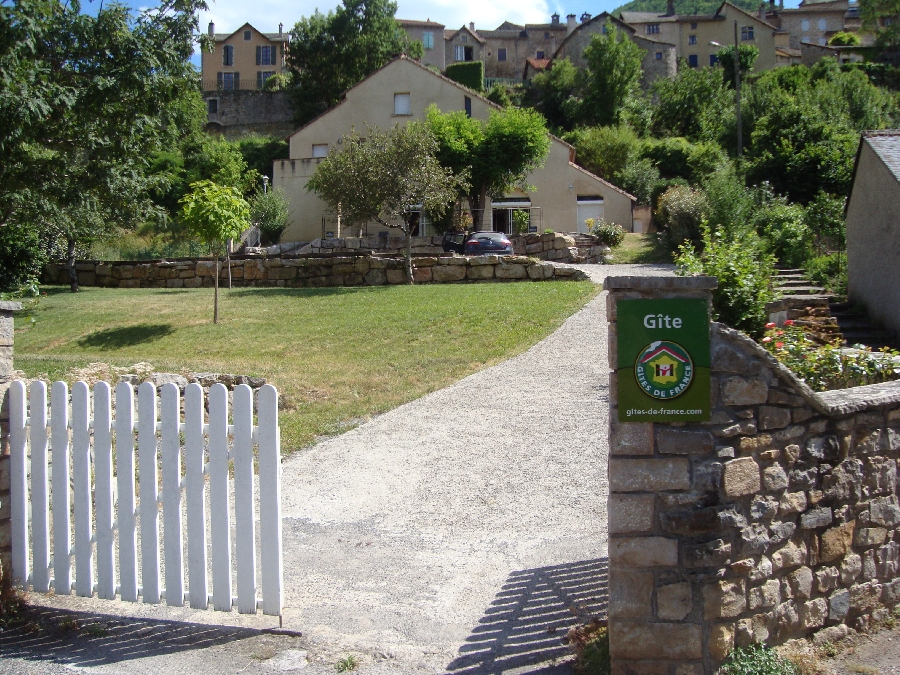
point(870, 536)
point(396, 276)
point(123, 271)
point(648, 475)
point(422, 275)
point(739, 391)
point(800, 583)
point(774, 418)
point(721, 641)
point(136, 283)
point(775, 478)
point(707, 554)
point(662, 641)
point(643, 552)
point(674, 601)
point(864, 596)
point(839, 605)
point(448, 273)
point(724, 599)
point(791, 555)
point(741, 477)
point(786, 618)
point(792, 502)
point(174, 283)
point(826, 579)
point(630, 439)
point(835, 543)
point(563, 241)
point(676, 442)
point(639, 668)
point(279, 273)
point(375, 277)
point(765, 596)
point(813, 614)
point(479, 273)
point(630, 513)
point(510, 271)
point(630, 594)
point(815, 518)
point(193, 282)
point(880, 475)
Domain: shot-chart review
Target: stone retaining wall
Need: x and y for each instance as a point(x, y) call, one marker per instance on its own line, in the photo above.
point(555, 246)
point(6, 370)
point(777, 519)
point(309, 272)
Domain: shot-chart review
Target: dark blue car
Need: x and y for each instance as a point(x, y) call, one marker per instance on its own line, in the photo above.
point(477, 243)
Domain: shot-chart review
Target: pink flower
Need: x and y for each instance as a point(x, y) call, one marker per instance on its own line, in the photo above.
point(767, 339)
point(779, 345)
point(779, 332)
point(789, 322)
point(770, 325)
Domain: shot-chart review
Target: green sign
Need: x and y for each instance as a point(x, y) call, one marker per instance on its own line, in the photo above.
point(663, 368)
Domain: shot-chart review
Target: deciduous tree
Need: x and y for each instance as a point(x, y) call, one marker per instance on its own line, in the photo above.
point(613, 75)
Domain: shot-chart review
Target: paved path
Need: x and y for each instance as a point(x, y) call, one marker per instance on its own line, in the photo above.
point(462, 532)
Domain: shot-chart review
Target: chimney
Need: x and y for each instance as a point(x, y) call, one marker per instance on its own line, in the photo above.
point(212, 29)
point(585, 17)
point(780, 4)
point(472, 26)
point(280, 29)
point(762, 11)
point(670, 8)
point(571, 23)
point(554, 19)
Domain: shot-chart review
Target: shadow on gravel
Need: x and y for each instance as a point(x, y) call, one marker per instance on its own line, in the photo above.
point(84, 639)
point(527, 622)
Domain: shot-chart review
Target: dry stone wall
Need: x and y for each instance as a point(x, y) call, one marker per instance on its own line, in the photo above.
point(310, 272)
point(777, 519)
point(6, 372)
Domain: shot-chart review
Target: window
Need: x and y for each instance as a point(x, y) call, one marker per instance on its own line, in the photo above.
point(463, 38)
point(265, 56)
point(428, 39)
point(652, 28)
point(468, 106)
point(603, 29)
point(262, 76)
point(888, 20)
point(401, 104)
point(546, 35)
point(693, 25)
point(459, 53)
point(804, 25)
point(693, 62)
point(539, 54)
point(247, 35)
point(804, 38)
point(320, 150)
point(228, 81)
point(501, 54)
point(713, 59)
point(822, 24)
point(659, 56)
point(212, 106)
point(692, 39)
point(228, 55)
point(746, 32)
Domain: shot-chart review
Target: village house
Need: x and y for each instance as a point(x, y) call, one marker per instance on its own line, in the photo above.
point(431, 35)
point(564, 195)
point(816, 22)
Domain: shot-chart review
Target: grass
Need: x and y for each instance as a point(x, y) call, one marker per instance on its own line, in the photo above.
point(640, 248)
point(336, 355)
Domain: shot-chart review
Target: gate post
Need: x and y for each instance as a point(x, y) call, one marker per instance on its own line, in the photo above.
point(6, 368)
point(654, 627)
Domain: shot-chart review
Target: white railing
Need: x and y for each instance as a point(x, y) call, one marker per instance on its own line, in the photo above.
point(108, 484)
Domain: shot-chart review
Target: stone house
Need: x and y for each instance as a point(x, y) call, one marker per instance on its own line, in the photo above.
point(693, 35)
point(510, 45)
point(431, 35)
point(462, 45)
point(564, 195)
point(816, 22)
point(873, 232)
point(660, 58)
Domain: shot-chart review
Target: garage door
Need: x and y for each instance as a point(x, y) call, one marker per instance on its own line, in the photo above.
point(588, 207)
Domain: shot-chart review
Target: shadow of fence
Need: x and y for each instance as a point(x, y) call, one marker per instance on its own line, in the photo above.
point(527, 622)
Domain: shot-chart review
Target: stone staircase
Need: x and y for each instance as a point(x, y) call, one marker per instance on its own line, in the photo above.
point(856, 328)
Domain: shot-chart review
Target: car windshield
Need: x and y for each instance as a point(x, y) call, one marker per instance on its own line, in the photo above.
point(488, 236)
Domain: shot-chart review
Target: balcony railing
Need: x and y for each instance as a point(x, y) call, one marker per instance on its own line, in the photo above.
point(249, 84)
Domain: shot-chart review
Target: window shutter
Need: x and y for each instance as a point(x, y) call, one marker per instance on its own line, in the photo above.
point(237, 81)
point(219, 80)
point(258, 55)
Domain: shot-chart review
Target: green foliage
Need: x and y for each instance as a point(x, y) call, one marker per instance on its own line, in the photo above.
point(680, 214)
point(844, 39)
point(260, 152)
point(679, 158)
point(872, 12)
point(330, 53)
point(556, 94)
point(21, 255)
point(496, 154)
point(693, 104)
point(468, 73)
point(604, 151)
point(731, 204)
point(829, 271)
point(613, 74)
point(269, 212)
point(609, 234)
point(591, 646)
point(346, 664)
point(215, 213)
point(744, 271)
point(683, 6)
point(521, 219)
point(825, 222)
point(640, 177)
point(829, 367)
point(783, 226)
point(747, 55)
point(756, 660)
point(499, 94)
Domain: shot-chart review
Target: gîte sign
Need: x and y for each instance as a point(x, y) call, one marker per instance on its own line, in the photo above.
point(663, 356)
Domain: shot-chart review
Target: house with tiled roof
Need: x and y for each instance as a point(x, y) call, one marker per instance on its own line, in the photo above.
point(560, 195)
point(431, 35)
point(873, 229)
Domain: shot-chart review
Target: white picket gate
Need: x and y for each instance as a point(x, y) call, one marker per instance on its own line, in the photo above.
point(114, 504)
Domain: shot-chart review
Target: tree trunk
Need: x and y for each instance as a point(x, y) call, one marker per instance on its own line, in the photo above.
point(228, 262)
point(476, 206)
point(216, 293)
point(70, 263)
point(409, 269)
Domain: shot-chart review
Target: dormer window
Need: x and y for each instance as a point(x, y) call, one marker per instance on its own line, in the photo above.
point(463, 38)
point(247, 35)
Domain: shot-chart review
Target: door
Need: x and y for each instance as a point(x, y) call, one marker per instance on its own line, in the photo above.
point(588, 209)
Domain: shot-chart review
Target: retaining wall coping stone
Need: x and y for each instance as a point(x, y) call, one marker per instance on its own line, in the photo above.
point(698, 283)
point(9, 306)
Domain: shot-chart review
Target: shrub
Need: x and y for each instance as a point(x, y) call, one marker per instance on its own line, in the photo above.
point(829, 271)
point(21, 255)
point(844, 39)
point(639, 177)
point(591, 646)
point(521, 219)
point(609, 234)
point(680, 213)
point(829, 367)
point(469, 74)
point(670, 155)
point(744, 271)
point(784, 227)
point(605, 151)
point(757, 660)
point(825, 222)
point(269, 212)
point(499, 95)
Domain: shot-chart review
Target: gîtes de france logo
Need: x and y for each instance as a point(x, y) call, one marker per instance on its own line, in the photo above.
point(664, 370)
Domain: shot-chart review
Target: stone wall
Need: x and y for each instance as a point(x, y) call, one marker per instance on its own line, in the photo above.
point(777, 519)
point(247, 110)
point(309, 272)
point(6, 369)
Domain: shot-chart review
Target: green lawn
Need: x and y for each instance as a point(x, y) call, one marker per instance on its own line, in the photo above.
point(640, 248)
point(336, 355)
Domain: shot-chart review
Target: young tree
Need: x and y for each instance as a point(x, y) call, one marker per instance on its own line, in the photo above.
point(557, 94)
point(496, 154)
point(389, 177)
point(215, 214)
point(613, 75)
point(269, 212)
point(331, 53)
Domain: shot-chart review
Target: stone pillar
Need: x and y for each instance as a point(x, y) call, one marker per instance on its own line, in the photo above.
point(6, 368)
point(654, 627)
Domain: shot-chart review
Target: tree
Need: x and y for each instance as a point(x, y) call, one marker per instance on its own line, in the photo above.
point(844, 39)
point(613, 75)
point(693, 104)
point(604, 151)
point(496, 154)
point(873, 13)
point(269, 212)
point(331, 53)
point(557, 94)
point(215, 213)
point(747, 55)
point(391, 177)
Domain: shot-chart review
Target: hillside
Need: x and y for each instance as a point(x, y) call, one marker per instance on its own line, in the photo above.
point(683, 6)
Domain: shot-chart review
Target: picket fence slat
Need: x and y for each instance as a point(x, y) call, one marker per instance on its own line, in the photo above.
point(40, 489)
point(103, 477)
point(128, 571)
point(82, 467)
point(62, 525)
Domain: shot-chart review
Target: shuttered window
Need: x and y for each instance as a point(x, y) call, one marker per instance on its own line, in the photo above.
point(228, 55)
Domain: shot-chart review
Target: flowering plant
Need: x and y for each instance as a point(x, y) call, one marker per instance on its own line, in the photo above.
point(829, 366)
